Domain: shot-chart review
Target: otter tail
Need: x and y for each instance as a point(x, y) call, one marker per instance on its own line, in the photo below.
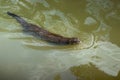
point(18, 18)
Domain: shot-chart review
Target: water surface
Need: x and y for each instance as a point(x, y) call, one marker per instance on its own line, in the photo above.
point(94, 22)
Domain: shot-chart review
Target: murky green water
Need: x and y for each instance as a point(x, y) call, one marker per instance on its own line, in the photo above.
point(94, 22)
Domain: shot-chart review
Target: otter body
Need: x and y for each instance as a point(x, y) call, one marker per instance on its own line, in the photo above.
point(42, 33)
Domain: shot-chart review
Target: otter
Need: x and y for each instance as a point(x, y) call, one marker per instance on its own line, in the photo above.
point(44, 34)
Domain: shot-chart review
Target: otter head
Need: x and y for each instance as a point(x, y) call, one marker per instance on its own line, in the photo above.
point(74, 41)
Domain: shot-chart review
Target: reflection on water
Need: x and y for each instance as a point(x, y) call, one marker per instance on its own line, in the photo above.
point(94, 22)
point(84, 72)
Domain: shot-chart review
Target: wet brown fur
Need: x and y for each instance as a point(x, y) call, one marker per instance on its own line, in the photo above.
point(42, 33)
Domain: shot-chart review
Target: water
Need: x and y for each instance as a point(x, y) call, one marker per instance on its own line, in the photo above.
point(94, 22)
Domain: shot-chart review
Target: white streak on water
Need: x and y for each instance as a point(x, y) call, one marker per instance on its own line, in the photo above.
point(40, 64)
